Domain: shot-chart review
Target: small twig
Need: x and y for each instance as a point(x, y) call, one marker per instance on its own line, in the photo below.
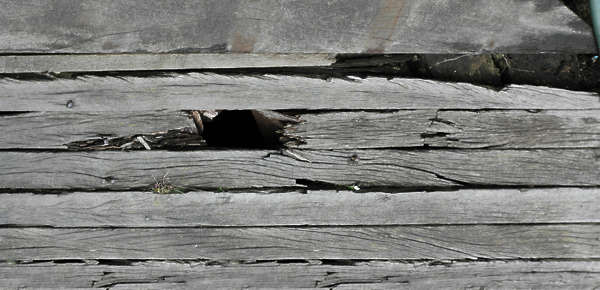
point(143, 142)
point(126, 145)
point(198, 122)
point(288, 153)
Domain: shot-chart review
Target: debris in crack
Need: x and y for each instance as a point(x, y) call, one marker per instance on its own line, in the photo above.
point(182, 138)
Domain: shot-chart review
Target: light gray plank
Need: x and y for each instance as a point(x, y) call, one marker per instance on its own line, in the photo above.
point(53, 130)
point(209, 91)
point(353, 130)
point(516, 129)
point(194, 209)
point(276, 26)
point(498, 274)
point(170, 61)
point(258, 168)
point(454, 129)
point(276, 243)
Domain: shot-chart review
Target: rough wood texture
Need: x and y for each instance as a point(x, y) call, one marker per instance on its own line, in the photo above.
point(52, 130)
point(455, 129)
point(325, 26)
point(133, 62)
point(276, 243)
point(194, 209)
point(513, 275)
point(209, 91)
point(344, 130)
point(257, 168)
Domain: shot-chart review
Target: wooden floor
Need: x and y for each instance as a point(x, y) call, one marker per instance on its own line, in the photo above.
point(383, 183)
point(498, 189)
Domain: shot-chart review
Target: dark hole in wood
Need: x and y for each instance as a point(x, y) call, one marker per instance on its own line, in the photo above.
point(244, 129)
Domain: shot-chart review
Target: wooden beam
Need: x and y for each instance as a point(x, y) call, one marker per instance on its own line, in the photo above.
point(315, 208)
point(169, 61)
point(259, 168)
point(421, 275)
point(276, 26)
point(209, 91)
point(569, 241)
point(454, 129)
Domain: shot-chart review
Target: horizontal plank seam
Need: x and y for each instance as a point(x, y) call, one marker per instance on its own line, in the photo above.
point(300, 189)
point(234, 262)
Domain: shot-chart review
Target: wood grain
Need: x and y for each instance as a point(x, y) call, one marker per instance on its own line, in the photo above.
point(276, 243)
point(454, 129)
point(317, 208)
point(517, 129)
point(53, 130)
point(514, 275)
point(258, 168)
point(168, 61)
point(196, 91)
point(34, 26)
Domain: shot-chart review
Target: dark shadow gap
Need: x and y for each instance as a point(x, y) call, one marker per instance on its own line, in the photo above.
point(568, 71)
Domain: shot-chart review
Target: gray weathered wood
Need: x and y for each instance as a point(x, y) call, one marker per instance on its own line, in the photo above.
point(359, 130)
point(455, 129)
point(52, 130)
point(276, 243)
point(143, 209)
point(276, 26)
point(498, 274)
point(209, 91)
point(259, 168)
point(344, 130)
point(133, 62)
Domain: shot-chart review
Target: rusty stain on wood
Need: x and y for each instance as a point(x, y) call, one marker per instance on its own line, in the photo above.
point(242, 43)
point(383, 25)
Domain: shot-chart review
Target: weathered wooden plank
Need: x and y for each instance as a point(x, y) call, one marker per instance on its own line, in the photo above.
point(169, 61)
point(52, 130)
point(354, 130)
point(194, 209)
point(497, 274)
point(257, 168)
point(455, 129)
point(516, 129)
point(276, 243)
point(209, 91)
point(343, 130)
point(327, 26)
